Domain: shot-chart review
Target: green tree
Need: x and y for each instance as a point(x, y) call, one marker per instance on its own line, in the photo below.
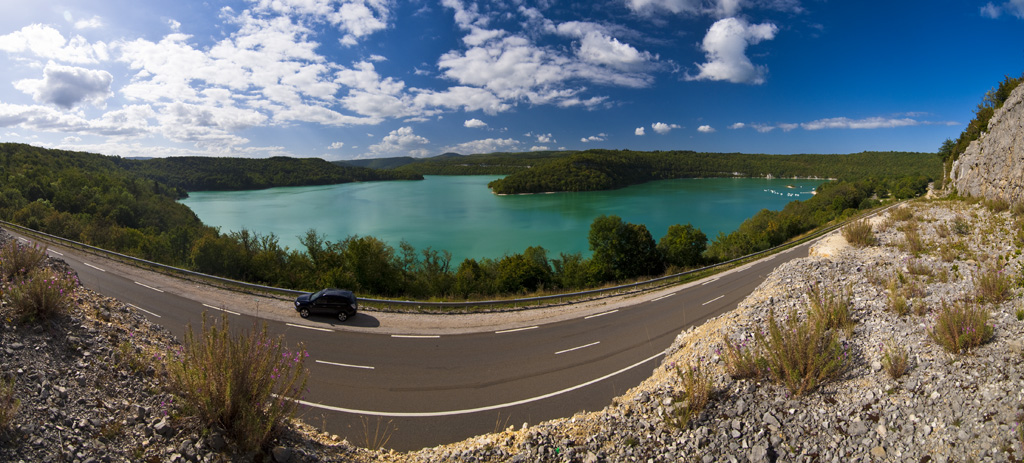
point(622, 250)
point(683, 245)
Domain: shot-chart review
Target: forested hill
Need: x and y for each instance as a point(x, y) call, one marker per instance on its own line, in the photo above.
point(194, 173)
point(605, 169)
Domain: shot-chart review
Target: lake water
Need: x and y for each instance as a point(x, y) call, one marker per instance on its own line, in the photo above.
point(460, 214)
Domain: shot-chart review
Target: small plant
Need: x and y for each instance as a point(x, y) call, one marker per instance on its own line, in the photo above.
point(16, 259)
point(1017, 209)
point(895, 360)
point(961, 327)
point(912, 240)
point(247, 383)
point(41, 295)
point(918, 267)
point(1020, 315)
point(997, 205)
point(743, 361)
point(902, 214)
point(942, 230)
point(8, 405)
point(961, 226)
point(992, 286)
point(697, 389)
point(381, 434)
point(831, 309)
point(859, 234)
point(802, 355)
point(897, 301)
point(1020, 426)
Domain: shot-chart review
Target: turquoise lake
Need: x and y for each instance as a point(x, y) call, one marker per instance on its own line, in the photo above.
point(461, 215)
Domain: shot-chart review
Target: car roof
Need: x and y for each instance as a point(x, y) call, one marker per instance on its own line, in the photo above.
point(338, 292)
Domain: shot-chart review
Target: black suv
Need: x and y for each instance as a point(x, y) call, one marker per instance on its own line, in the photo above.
point(338, 302)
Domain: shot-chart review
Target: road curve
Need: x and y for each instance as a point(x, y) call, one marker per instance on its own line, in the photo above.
point(427, 390)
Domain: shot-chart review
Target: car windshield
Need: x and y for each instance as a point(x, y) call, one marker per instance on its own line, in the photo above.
point(317, 294)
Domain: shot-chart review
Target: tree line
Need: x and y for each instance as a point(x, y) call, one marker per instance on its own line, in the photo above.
point(90, 198)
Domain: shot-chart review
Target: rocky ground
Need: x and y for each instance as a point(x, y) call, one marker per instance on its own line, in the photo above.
point(82, 401)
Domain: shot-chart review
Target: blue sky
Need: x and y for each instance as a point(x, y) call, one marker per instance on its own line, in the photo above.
point(376, 78)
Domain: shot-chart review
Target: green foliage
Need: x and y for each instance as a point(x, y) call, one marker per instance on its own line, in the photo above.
point(683, 246)
point(961, 327)
point(246, 383)
point(8, 405)
point(992, 285)
point(17, 260)
point(41, 295)
point(623, 250)
point(859, 233)
point(697, 390)
point(606, 169)
point(951, 150)
point(830, 309)
point(744, 361)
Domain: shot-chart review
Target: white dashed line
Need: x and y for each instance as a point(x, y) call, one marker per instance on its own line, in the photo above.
point(710, 281)
point(515, 329)
point(663, 297)
point(713, 300)
point(147, 286)
point(308, 328)
point(144, 310)
point(93, 266)
point(345, 365)
point(55, 252)
point(577, 348)
point(414, 336)
point(216, 308)
point(602, 313)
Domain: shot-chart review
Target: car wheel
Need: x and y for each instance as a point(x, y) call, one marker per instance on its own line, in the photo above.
point(342, 316)
point(304, 313)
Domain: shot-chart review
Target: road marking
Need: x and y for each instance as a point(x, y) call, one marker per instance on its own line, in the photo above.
point(602, 313)
point(414, 336)
point(55, 252)
point(24, 240)
point(713, 300)
point(147, 286)
point(308, 328)
point(577, 348)
point(345, 365)
point(93, 266)
point(479, 409)
point(663, 297)
point(144, 310)
point(515, 329)
point(215, 308)
point(710, 281)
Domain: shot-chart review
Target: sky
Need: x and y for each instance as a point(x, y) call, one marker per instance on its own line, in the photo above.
point(356, 79)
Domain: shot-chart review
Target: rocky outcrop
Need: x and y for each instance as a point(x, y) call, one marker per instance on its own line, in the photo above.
point(993, 166)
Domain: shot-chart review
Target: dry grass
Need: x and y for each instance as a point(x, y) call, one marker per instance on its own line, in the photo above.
point(859, 234)
point(961, 327)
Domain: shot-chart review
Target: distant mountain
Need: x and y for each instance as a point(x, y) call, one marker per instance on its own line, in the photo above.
point(378, 163)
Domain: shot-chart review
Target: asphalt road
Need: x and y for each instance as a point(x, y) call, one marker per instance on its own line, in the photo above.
point(418, 391)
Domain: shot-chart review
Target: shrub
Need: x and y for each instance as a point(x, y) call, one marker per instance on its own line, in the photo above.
point(897, 301)
point(918, 267)
point(997, 205)
point(901, 214)
point(831, 309)
point(912, 240)
point(743, 361)
point(1017, 208)
point(961, 327)
point(859, 233)
point(247, 383)
point(961, 226)
point(41, 295)
point(802, 355)
point(697, 389)
point(895, 360)
point(16, 259)
point(992, 286)
point(8, 405)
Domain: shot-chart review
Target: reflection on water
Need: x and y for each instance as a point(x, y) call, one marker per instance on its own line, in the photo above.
point(459, 213)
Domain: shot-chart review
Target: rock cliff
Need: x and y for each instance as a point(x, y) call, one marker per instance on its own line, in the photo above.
point(993, 166)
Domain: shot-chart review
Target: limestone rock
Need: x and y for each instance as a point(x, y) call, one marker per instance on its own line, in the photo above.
point(991, 166)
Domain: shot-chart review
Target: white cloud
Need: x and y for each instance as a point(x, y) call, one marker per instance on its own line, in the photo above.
point(639, 131)
point(787, 127)
point(601, 49)
point(725, 47)
point(672, 6)
point(48, 43)
point(738, 125)
point(545, 138)
point(464, 97)
point(174, 25)
point(663, 128)
point(356, 19)
point(92, 23)
point(67, 86)
point(868, 123)
point(598, 137)
point(130, 121)
point(706, 129)
point(489, 145)
point(763, 128)
point(539, 148)
point(991, 11)
point(475, 124)
point(401, 142)
point(1014, 7)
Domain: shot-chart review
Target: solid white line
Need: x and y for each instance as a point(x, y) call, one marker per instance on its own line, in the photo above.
point(345, 365)
point(515, 329)
point(23, 239)
point(413, 336)
point(215, 308)
point(710, 281)
point(93, 266)
point(602, 313)
point(147, 286)
point(310, 328)
point(713, 300)
point(480, 409)
point(663, 297)
point(577, 348)
point(55, 252)
point(144, 310)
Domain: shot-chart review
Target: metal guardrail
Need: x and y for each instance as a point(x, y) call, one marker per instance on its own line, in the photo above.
point(654, 283)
